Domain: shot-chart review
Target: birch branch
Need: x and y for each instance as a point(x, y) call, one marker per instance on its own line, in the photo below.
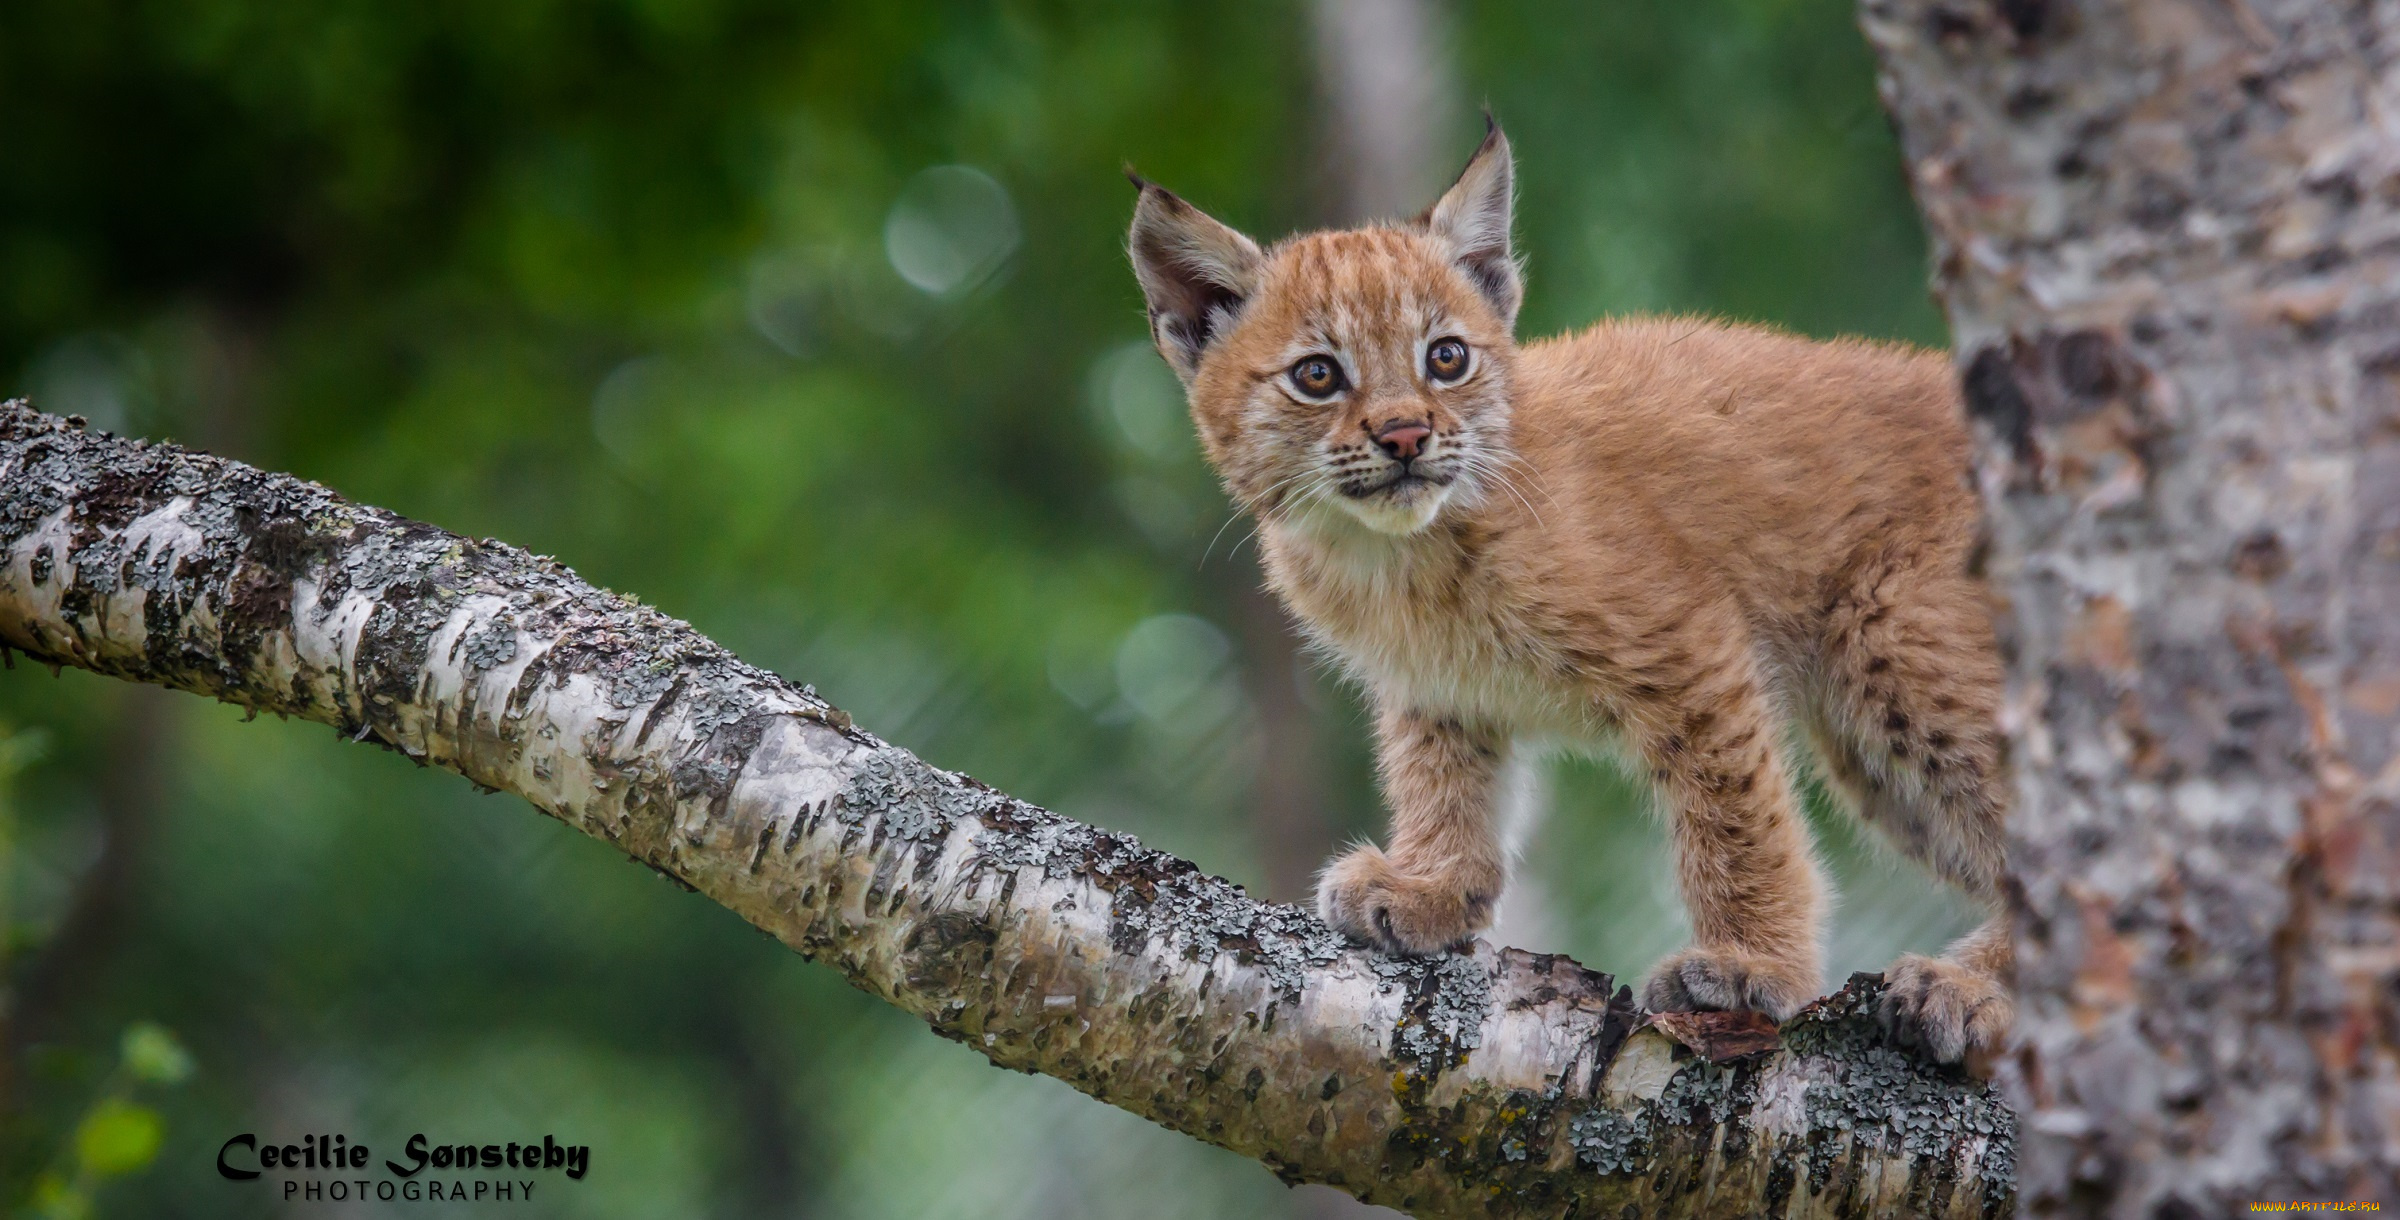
point(1494, 1083)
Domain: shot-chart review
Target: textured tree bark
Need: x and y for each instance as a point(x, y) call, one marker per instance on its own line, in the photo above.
point(2168, 236)
point(1494, 1083)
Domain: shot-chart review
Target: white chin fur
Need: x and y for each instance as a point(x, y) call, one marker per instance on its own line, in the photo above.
point(1405, 511)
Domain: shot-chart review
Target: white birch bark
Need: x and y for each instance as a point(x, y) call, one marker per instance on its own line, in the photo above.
point(1496, 1083)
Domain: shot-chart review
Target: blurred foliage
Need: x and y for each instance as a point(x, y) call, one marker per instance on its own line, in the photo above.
point(118, 1135)
point(19, 748)
point(808, 324)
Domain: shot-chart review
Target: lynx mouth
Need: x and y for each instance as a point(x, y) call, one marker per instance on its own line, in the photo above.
point(1401, 503)
point(1402, 483)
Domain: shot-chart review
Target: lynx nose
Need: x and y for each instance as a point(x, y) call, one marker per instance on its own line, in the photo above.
point(1403, 439)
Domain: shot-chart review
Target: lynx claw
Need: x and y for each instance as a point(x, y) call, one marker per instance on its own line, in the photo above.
point(1364, 896)
point(1944, 1009)
point(1726, 980)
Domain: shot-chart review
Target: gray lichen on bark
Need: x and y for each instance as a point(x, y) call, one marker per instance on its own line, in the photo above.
point(2168, 237)
point(1493, 1083)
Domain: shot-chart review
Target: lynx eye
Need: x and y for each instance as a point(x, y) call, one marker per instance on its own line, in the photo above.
point(1317, 377)
point(1446, 360)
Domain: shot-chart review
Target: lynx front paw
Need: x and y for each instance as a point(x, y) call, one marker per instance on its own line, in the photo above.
point(1726, 979)
point(1945, 1009)
point(1366, 897)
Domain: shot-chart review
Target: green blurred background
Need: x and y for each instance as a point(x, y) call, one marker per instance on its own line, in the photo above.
point(808, 324)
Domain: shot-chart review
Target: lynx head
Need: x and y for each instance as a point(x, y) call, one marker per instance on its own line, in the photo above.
point(1360, 374)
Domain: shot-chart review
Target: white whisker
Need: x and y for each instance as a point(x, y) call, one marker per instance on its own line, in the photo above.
point(1251, 505)
point(1478, 465)
point(1322, 482)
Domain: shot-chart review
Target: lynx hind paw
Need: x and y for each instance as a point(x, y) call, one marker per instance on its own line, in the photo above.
point(1368, 899)
point(1727, 980)
point(1945, 1009)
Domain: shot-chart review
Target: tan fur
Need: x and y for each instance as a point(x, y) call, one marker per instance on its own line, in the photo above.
point(1691, 540)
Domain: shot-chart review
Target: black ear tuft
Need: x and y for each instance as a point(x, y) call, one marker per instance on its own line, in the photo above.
point(1474, 217)
point(1196, 274)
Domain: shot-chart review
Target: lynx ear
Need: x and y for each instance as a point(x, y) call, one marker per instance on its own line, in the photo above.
point(1195, 272)
point(1474, 215)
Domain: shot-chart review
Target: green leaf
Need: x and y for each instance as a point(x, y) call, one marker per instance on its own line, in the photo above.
point(118, 1138)
point(154, 1056)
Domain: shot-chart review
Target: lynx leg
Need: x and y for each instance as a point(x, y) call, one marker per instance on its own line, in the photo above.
point(1909, 730)
point(1436, 887)
point(1742, 853)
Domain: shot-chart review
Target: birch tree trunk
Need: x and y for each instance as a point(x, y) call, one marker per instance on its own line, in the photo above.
point(1497, 1083)
point(2168, 236)
point(1390, 92)
point(1384, 86)
point(1389, 88)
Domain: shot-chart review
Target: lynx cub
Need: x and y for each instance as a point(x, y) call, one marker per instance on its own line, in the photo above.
point(1679, 535)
